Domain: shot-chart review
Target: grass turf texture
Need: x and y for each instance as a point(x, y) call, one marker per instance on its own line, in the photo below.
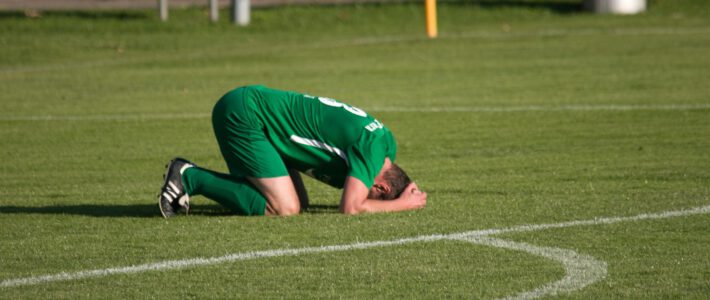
point(93, 105)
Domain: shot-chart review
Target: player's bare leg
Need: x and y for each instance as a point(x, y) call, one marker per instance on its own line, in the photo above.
point(280, 194)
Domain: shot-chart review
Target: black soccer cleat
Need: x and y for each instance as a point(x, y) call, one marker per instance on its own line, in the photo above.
point(173, 196)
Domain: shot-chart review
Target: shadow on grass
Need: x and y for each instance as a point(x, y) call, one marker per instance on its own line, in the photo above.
point(556, 6)
point(78, 14)
point(135, 210)
point(107, 210)
point(321, 209)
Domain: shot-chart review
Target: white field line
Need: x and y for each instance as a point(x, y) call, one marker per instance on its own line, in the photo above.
point(551, 32)
point(580, 270)
point(567, 284)
point(433, 109)
point(546, 108)
point(596, 221)
point(185, 263)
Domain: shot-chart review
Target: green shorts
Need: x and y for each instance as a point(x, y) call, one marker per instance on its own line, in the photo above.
point(241, 137)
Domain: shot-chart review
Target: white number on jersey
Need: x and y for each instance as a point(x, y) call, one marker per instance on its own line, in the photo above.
point(335, 103)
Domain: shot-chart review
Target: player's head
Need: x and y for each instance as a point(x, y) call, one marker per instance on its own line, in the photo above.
point(391, 184)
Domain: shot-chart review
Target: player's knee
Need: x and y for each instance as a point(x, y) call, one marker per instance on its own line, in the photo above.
point(288, 209)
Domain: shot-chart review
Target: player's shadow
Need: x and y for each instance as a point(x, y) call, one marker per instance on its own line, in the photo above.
point(92, 210)
point(134, 210)
point(321, 209)
point(107, 210)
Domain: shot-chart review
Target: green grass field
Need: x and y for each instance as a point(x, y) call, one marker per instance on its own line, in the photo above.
point(520, 113)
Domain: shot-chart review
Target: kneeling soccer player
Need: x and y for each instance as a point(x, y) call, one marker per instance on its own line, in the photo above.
point(268, 136)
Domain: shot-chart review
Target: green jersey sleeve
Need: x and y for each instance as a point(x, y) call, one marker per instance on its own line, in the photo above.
point(368, 153)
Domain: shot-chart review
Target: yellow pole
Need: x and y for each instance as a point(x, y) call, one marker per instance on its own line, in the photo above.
point(430, 11)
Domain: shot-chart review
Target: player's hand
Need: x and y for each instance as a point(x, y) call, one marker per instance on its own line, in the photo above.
point(414, 196)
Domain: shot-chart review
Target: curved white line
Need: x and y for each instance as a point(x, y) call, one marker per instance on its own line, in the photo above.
point(580, 270)
point(469, 235)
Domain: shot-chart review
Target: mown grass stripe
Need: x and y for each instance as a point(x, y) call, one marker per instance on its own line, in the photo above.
point(442, 109)
point(552, 32)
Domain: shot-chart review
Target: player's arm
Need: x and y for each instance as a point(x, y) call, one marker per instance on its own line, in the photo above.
point(354, 200)
point(300, 187)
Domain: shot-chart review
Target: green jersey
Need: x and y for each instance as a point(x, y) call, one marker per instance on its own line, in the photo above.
point(321, 137)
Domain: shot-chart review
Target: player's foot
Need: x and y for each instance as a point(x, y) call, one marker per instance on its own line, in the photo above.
point(173, 196)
